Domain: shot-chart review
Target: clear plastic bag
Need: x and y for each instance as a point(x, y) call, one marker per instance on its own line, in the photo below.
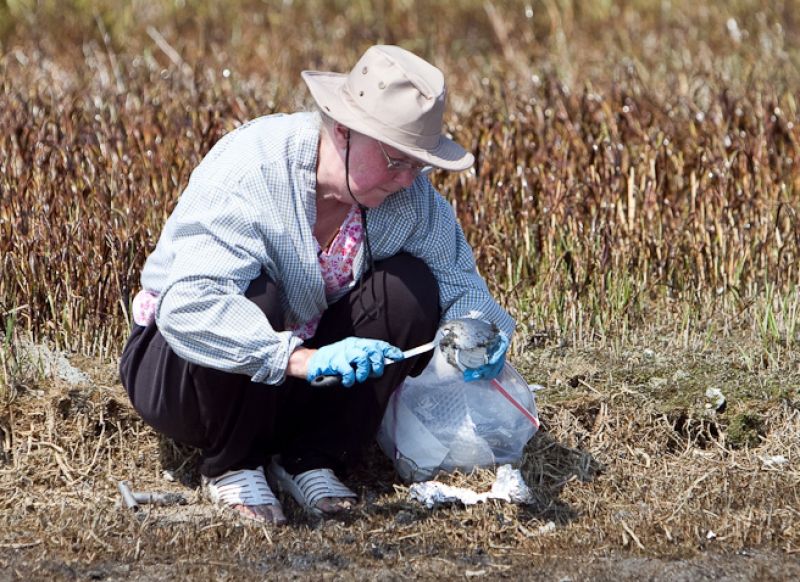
point(438, 422)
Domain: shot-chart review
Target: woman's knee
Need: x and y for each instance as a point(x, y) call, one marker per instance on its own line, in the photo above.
point(411, 296)
point(412, 287)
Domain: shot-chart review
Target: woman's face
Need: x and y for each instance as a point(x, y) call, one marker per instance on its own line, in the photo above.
point(371, 180)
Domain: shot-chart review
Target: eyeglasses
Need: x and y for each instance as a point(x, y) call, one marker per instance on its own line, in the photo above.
point(401, 165)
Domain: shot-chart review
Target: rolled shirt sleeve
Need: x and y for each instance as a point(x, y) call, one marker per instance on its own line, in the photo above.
point(202, 311)
point(248, 208)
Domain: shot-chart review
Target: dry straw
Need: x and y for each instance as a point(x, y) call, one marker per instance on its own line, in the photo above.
point(633, 203)
point(661, 180)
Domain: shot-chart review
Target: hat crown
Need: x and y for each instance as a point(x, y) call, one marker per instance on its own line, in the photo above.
point(401, 91)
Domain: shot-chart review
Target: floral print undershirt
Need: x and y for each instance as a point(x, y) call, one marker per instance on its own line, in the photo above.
point(336, 264)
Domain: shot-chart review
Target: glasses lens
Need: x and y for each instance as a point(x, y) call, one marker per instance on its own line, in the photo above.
point(401, 165)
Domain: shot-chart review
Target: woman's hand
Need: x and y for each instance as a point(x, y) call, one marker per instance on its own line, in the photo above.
point(354, 359)
point(497, 358)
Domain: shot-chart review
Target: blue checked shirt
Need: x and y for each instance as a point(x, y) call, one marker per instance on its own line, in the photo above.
point(250, 205)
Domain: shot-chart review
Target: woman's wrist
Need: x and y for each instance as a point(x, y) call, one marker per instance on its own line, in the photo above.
point(297, 366)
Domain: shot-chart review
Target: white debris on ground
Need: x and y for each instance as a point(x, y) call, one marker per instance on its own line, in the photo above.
point(508, 486)
point(715, 399)
point(680, 376)
point(547, 528)
point(51, 363)
point(773, 461)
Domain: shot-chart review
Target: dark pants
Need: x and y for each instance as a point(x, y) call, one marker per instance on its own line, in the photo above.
point(239, 424)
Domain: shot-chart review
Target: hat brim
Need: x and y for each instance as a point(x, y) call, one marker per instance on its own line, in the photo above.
point(326, 89)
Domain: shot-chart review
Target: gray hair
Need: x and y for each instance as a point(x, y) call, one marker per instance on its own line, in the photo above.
point(326, 121)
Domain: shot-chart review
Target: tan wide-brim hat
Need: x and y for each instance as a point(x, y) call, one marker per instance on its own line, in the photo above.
point(395, 97)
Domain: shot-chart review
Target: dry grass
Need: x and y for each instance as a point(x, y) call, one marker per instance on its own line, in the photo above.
point(614, 469)
point(634, 204)
point(617, 175)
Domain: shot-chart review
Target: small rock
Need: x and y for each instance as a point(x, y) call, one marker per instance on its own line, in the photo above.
point(376, 551)
point(648, 354)
point(404, 517)
point(168, 476)
point(53, 363)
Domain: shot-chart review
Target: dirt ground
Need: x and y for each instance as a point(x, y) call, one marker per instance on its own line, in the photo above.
point(636, 474)
point(711, 565)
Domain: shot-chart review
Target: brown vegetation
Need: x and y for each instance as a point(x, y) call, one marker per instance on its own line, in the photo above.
point(634, 204)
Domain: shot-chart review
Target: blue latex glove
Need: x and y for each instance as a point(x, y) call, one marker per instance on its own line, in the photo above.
point(354, 359)
point(497, 358)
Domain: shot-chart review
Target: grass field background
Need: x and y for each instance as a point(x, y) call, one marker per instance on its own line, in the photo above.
point(634, 204)
point(633, 158)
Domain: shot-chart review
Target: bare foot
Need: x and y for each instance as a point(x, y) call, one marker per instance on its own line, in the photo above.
point(334, 505)
point(268, 514)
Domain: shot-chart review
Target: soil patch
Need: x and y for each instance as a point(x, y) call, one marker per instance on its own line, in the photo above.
point(628, 483)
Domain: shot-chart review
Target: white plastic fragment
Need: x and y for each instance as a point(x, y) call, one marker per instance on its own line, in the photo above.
point(711, 535)
point(772, 461)
point(547, 528)
point(508, 486)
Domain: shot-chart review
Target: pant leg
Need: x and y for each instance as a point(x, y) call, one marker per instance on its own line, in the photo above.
point(328, 427)
point(228, 417)
point(238, 424)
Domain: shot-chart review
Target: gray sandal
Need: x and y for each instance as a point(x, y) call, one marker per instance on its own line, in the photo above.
point(245, 487)
point(310, 487)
